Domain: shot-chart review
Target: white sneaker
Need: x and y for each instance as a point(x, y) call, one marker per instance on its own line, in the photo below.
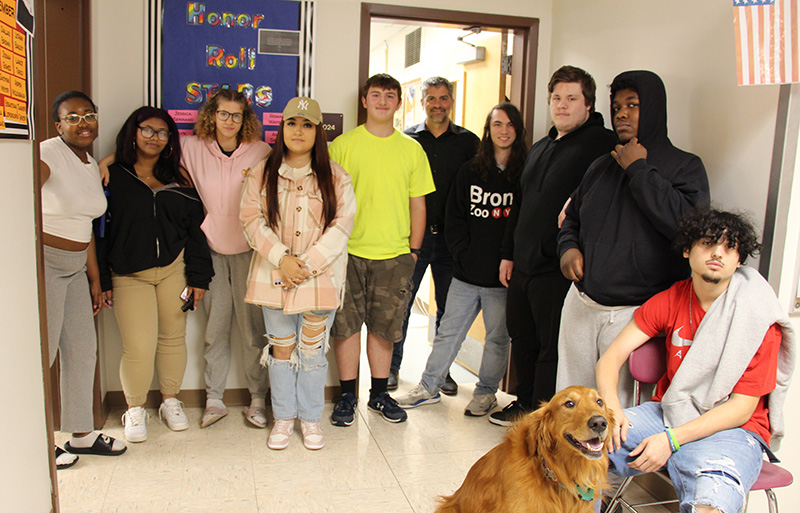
point(171, 410)
point(417, 396)
point(313, 438)
point(281, 434)
point(135, 422)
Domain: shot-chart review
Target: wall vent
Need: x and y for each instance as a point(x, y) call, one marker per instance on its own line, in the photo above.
point(413, 43)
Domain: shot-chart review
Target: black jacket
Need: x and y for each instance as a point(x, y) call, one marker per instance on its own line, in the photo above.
point(624, 221)
point(553, 169)
point(149, 228)
point(476, 216)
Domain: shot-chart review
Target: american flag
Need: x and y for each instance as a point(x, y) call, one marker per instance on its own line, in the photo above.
point(766, 41)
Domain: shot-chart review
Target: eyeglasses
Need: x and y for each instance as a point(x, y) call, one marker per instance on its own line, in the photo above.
point(75, 119)
point(223, 115)
point(148, 133)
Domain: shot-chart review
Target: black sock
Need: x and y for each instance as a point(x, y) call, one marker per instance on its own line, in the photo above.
point(348, 386)
point(378, 387)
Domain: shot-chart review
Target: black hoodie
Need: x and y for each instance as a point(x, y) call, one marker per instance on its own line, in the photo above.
point(475, 221)
point(623, 221)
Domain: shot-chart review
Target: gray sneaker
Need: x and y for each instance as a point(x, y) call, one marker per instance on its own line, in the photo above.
point(480, 405)
point(417, 396)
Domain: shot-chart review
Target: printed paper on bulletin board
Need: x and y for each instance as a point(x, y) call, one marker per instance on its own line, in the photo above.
point(16, 100)
point(248, 45)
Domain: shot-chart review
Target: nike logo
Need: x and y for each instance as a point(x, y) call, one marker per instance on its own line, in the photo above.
point(677, 341)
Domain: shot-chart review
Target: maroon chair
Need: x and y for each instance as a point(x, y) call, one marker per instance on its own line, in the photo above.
point(647, 364)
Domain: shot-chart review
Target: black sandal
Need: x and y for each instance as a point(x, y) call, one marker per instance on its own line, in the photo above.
point(62, 466)
point(103, 446)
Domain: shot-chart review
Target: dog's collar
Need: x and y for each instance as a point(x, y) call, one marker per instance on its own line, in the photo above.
point(586, 494)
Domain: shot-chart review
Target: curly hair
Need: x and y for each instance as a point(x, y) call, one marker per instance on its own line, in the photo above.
point(711, 224)
point(206, 126)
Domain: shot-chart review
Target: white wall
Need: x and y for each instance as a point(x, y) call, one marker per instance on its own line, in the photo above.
point(690, 44)
point(25, 474)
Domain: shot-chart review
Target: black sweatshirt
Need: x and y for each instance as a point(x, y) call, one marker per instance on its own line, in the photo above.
point(149, 228)
point(553, 169)
point(476, 216)
point(624, 221)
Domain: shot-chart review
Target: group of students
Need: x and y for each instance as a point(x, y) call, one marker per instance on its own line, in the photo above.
point(327, 240)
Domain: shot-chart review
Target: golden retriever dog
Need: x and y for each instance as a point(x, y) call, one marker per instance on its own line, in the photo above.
point(553, 460)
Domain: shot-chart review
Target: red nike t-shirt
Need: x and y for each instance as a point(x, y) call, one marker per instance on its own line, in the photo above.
point(668, 312)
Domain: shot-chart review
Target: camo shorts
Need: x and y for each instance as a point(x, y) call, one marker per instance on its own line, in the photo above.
point(377, 293)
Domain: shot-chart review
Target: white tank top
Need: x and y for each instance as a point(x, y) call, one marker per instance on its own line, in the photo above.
point(73, 195)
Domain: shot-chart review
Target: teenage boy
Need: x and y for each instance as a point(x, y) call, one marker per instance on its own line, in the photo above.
point(530, 267)
point(477, 212)
point(391, 177)
point(615, 243)
point(730, 355)
point(447, 146)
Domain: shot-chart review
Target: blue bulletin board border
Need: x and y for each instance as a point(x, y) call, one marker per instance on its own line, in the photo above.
point(196, 48)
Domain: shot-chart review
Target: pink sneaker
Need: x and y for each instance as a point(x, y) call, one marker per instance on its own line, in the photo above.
point(281, 434)
point(313, 438)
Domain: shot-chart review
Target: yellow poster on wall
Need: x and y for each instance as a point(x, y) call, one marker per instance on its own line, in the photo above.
point(16, 39)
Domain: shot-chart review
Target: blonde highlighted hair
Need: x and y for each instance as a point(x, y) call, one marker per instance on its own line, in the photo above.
point(206, 126)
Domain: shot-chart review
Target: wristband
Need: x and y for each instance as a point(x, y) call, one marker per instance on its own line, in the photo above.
point(673, 440)
point(416, 251)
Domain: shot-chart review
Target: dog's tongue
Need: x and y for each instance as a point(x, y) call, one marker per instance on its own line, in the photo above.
point(595, 444)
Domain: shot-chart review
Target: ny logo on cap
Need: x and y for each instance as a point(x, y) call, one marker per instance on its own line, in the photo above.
point(302, 104)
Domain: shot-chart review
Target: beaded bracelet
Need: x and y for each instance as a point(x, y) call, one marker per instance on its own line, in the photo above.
point(673, 440)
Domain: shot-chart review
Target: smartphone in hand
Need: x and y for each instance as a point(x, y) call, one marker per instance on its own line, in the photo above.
point(188, 300)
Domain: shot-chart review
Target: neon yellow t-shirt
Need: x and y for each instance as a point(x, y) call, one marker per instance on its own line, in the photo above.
point(386, 172)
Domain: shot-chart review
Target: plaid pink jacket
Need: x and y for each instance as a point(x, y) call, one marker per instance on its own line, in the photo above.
point(300, 234)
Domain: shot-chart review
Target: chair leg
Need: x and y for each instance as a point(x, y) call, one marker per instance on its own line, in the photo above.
point(772, 499)
point(614, 502)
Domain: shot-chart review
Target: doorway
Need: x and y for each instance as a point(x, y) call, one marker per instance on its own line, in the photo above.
point(488, 58)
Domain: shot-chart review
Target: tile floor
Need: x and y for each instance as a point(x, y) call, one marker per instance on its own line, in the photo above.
point(371, 466)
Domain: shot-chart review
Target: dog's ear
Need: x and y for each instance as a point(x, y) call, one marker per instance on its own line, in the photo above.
point(538, 430)
point(612, 426)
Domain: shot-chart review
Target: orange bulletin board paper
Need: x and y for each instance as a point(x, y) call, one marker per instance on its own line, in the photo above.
point(5, 84)
point(6, 37)
point(19, 43)
point(6, 60)
point(15, 111)
point(18, 88)
point(2, 118)
point(8, 12)
point(19, 66)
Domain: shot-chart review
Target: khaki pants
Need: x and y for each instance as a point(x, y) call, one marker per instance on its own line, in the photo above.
point(147, 305)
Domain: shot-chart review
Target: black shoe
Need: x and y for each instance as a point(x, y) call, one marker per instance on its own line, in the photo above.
point(345, 411)
point(450, 386)
point(62, 466)
point(508, 415)
point(391, 384)
point(387, 407)
point(103, 446)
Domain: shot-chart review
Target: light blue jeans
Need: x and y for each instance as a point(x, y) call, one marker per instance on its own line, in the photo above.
point(297, 384)
point(715, 471)
point(464, 301)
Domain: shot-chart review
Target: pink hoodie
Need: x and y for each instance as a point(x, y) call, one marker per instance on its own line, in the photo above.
point(219, 179)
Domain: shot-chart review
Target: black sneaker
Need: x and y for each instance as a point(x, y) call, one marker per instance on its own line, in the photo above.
point(387, 407)
point(450, 386)
point(345, 411)
point(508, 415)
point(391, 383)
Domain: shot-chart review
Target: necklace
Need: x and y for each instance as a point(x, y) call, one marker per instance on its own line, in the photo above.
point(691, 317)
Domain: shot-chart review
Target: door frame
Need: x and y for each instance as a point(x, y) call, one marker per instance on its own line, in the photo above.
point(524, 59)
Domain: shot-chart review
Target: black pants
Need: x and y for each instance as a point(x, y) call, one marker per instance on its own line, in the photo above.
point(533, 315)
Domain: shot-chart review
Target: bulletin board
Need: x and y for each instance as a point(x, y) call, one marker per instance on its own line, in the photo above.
point(16, 44)
point(262, 48)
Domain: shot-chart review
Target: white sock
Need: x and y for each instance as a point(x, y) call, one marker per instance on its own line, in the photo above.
point(66, 458)
point(258, 402)
point(215, 402)
point(83, 442)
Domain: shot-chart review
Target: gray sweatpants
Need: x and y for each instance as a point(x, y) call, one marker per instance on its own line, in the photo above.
point(70, 332)
point(224, 300)
point(587, 329)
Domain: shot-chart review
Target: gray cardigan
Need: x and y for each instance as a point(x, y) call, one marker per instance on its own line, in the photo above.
point(726, 340)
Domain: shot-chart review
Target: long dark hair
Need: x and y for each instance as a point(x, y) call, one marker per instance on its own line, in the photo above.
point(320, 164)
point(484, 159)
point(167, 168)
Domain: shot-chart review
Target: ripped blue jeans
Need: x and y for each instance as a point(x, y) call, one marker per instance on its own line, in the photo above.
point(297, 385)
point(715, 471)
